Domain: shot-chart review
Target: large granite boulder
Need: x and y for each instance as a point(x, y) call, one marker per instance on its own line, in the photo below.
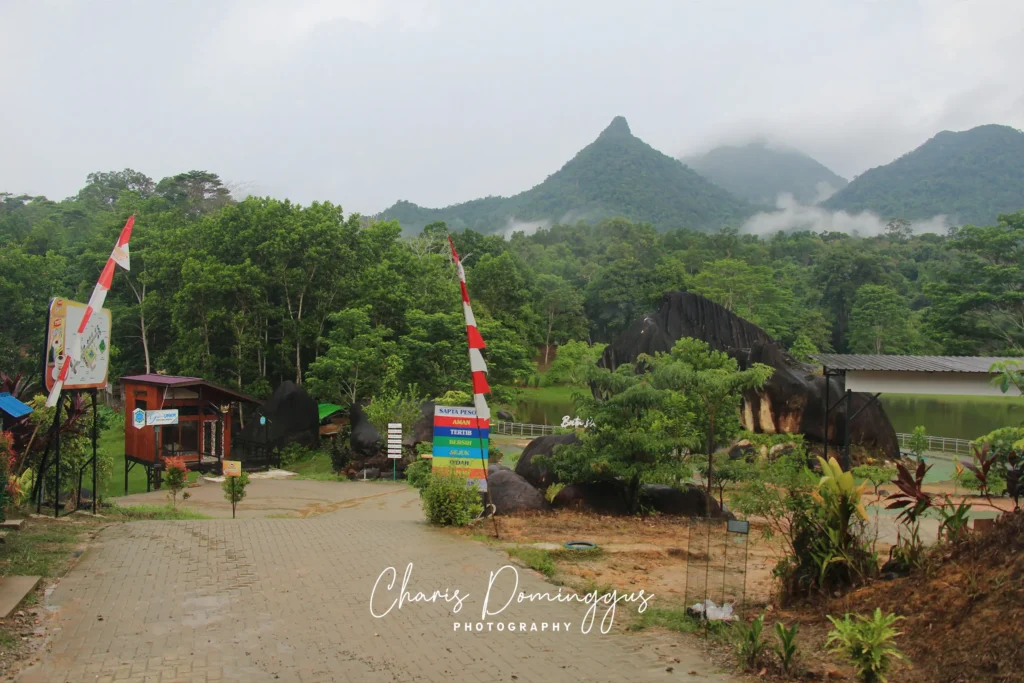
point(511, 493)
point(528, 469)
point(365, 439)
point(690, 501)
point(602, 497)
point(609, 498)
point(791, 402)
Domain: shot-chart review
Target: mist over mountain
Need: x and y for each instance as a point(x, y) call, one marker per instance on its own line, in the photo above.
point(970, 176)
point(616, 175)
point(759, 173)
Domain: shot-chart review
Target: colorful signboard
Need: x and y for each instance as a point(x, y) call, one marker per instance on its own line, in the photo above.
point(138, 418)
point(90, 371)
point(232, 468)
point(460, 441)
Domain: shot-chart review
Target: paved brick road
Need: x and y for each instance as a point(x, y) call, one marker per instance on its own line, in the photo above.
point(288, 600)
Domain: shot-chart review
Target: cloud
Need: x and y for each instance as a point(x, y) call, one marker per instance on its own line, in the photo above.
point(792, 215)
point(263, 30)
point(529, 227)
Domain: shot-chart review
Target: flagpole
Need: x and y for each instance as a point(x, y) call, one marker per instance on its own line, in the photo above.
point(478, 370)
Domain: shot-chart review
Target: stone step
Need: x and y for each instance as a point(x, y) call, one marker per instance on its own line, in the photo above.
point(12, 524)
point(13, 590)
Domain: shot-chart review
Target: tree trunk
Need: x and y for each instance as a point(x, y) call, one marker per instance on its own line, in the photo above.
point(547, 339)
point(633, 495)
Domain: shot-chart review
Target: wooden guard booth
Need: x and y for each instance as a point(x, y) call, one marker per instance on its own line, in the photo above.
point(202, 435)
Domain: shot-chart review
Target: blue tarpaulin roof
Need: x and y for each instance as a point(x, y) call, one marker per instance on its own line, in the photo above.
point(13, 406)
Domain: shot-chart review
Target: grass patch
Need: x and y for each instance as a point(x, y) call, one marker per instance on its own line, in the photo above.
point(676, 619)
point(576, 556)
point(136, 512)
point(313, 465)
point(535, 558)
point(111, 445)
point(41, 547)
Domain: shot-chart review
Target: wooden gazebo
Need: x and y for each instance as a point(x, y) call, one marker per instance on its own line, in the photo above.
point(202, 434)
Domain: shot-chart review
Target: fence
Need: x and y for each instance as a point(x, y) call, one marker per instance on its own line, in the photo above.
point(939, 444)
point(521, 429)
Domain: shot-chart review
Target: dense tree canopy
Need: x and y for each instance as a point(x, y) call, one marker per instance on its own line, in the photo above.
point(252, 292)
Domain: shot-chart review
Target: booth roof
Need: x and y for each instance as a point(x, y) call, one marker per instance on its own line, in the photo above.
point(179, 381)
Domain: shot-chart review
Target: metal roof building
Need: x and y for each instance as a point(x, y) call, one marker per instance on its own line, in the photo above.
point(937, 375)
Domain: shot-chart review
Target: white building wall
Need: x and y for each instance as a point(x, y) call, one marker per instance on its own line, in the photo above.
point(934, 383)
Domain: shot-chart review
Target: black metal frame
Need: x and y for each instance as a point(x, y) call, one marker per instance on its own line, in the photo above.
point(848, 398)
point(37, 493)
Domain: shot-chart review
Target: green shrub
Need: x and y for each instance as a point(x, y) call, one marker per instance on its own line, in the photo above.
point(418, 474)
point(450, 500)
point(552, 491)
point(786, 649)
point(918, 442)
point(749, 645)
point(293, 453)
point(867, 642)
point(234, 490)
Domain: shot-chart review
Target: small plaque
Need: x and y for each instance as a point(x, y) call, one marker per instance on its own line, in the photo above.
point(232, 468)
point(737, 526)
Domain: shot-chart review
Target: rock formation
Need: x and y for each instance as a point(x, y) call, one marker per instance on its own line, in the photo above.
point(511, 493)
point(529, 470)
point(791, 402)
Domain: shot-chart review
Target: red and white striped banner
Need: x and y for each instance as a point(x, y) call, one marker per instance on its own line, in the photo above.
point(476, 342)
point(73, 346)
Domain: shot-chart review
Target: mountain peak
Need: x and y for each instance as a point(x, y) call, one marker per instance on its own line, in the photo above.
point(617, 127)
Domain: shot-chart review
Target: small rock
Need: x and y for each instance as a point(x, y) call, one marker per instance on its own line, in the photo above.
point(99, 617)
point(668, 669)
point(19, 614)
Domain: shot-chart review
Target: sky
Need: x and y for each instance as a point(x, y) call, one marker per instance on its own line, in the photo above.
point(440, 101)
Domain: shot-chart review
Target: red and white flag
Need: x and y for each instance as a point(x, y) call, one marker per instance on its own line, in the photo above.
point(476, 342)
point(73, 346)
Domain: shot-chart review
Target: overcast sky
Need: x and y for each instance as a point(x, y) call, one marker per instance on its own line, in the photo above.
point(441, 101)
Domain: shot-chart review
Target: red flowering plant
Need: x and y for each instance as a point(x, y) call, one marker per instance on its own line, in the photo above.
point(176, 477)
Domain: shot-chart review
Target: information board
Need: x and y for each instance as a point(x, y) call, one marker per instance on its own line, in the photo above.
point(90, 371)
point(460, 441)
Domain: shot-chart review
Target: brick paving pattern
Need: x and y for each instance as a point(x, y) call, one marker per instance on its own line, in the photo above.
point(288, 600)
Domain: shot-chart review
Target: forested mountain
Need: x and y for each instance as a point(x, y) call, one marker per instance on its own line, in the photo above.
point(616, 175)
point(759, 173)
point(249, 293)
point(970, 176)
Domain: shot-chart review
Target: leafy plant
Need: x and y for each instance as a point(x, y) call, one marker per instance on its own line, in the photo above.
point(552, 491)
point(176, 477)
point(749, 645)
point(875, 475)
point(418, 474)
point(294, 452)
point(787, 648)
point(954, 520)
point(911, 498)
point(867, 642)
point(450, 500)
point(234, 489)
point(340, 452)
point(918, 442)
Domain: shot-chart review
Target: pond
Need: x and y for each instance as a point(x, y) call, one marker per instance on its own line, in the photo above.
point(961, 417)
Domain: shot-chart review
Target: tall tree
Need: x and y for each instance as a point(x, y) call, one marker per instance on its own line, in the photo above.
point(880, 322)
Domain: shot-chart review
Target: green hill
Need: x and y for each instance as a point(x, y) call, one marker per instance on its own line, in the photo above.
point(616, 175)
point(970, 176)
point(759, 173)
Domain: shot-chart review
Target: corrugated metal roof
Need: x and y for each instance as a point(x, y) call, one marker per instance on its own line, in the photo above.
point(163, 380)
point(13, 406)
point(178, 381)
point(855, 361)
point(328, 409)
